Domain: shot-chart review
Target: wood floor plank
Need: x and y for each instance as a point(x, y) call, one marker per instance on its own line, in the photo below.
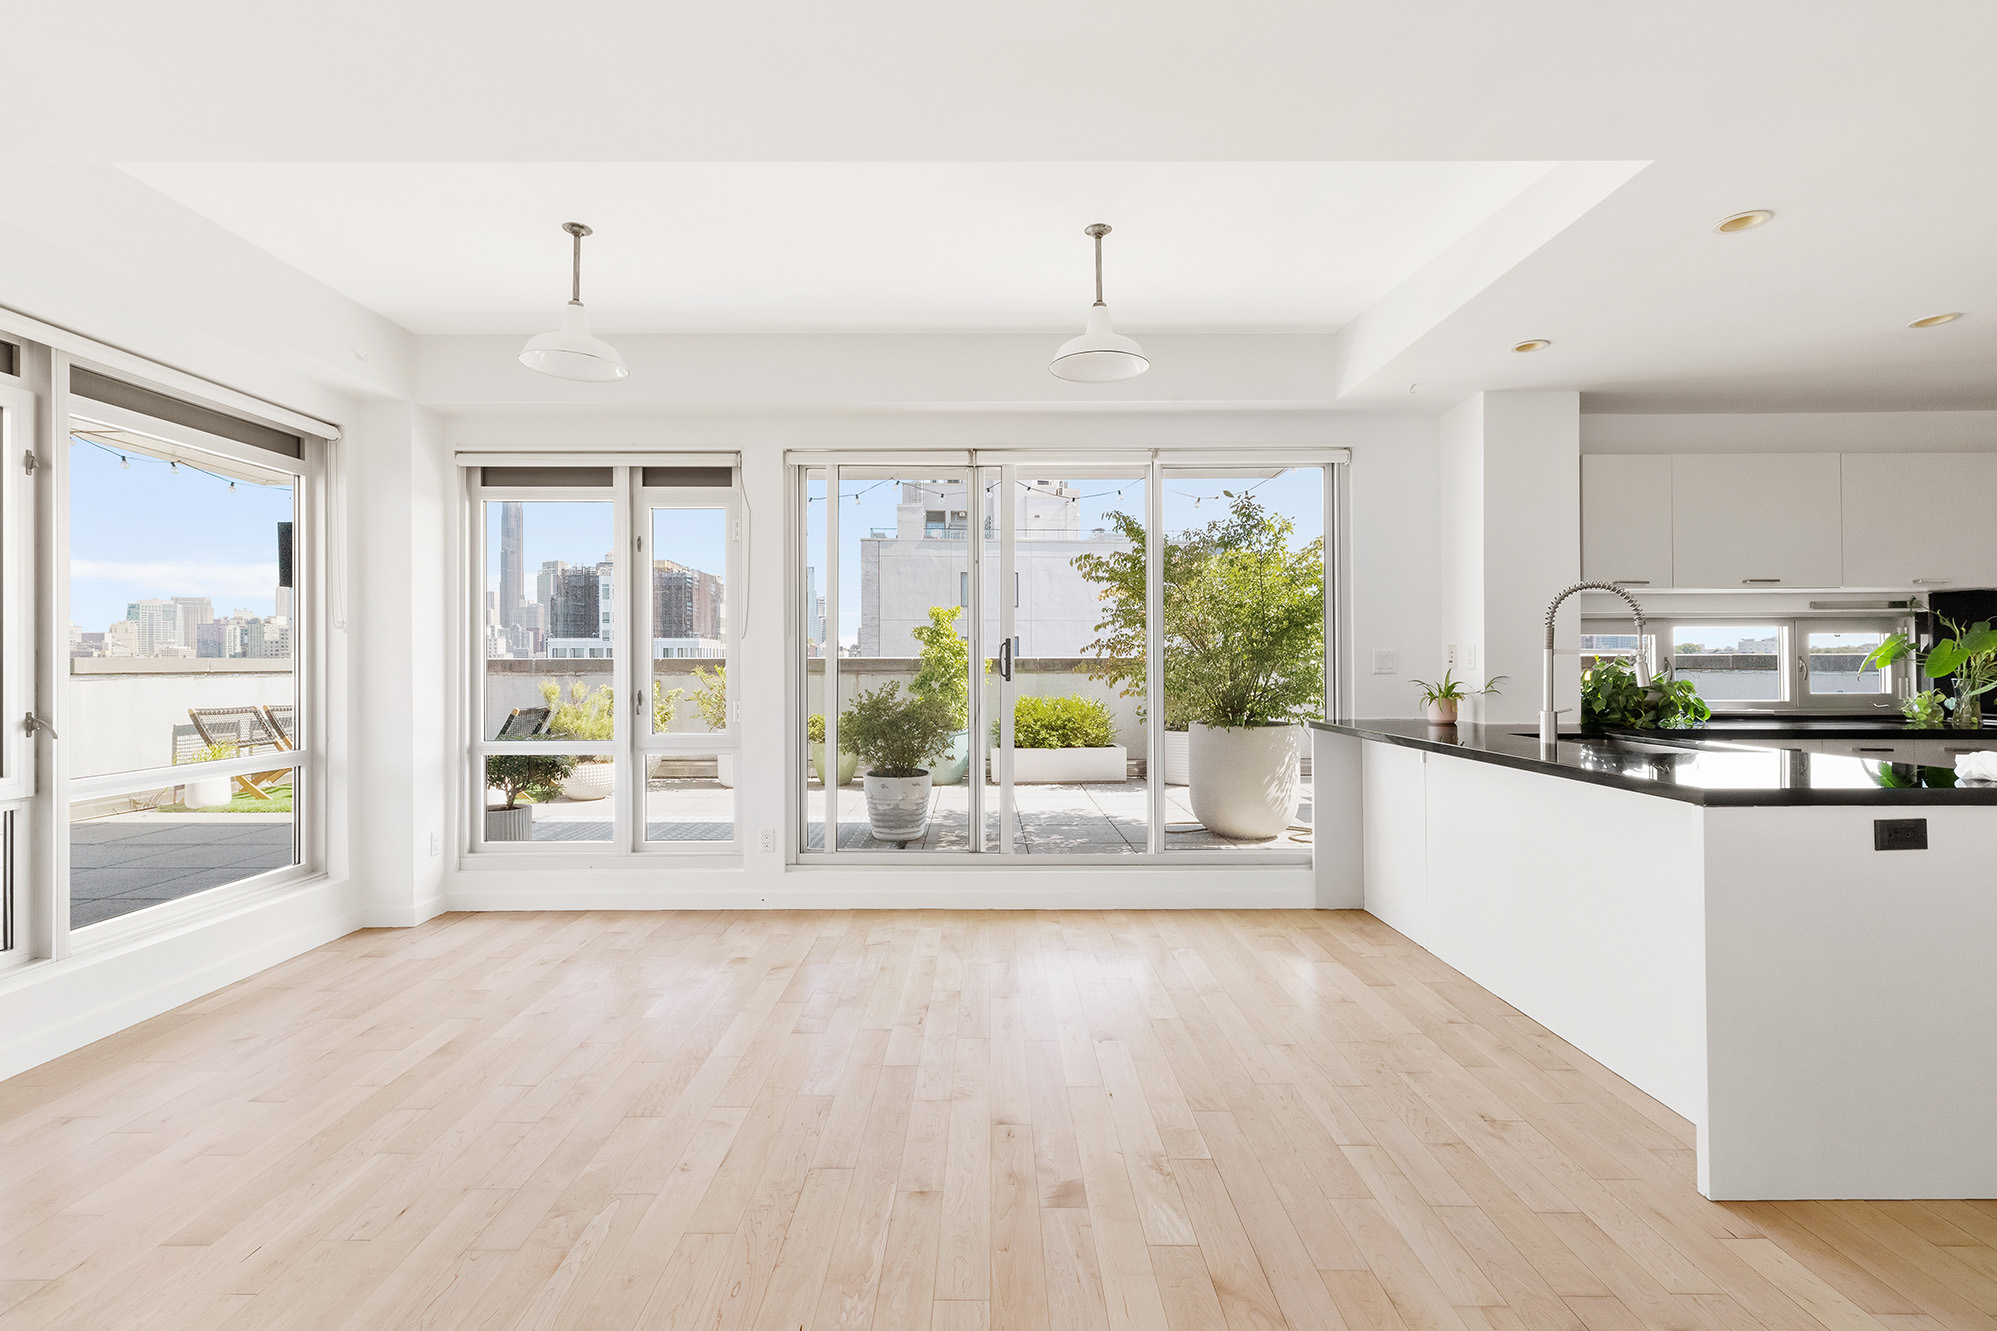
point(903, 1121)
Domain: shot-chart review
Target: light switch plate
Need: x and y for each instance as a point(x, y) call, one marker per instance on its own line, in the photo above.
point(1386, 663)
point(436, 845)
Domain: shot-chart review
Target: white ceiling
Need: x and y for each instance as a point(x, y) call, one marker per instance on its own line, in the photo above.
point(1270, 164)
point(738, 246)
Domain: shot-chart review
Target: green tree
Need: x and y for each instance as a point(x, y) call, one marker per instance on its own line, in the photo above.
point(946, 663)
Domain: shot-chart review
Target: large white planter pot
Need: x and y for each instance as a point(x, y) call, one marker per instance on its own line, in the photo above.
point(897, 806)
point(1246, 782)
point(1031, 767)
point(849, 763)
point(590, 781)
point(516, 824)
point(949, 769)
point(216, 790)
point(1177, 764)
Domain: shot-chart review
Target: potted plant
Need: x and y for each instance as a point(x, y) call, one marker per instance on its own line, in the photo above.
point(1969, 659)
point(1446, 694)
point(1612, 698)
point(537, 776)
point(945, 674)
point(1245, 617)
point(1064, 739)
point(896, 737)
point(710, 699)
point(585, 714)
point(213, 791)
point(814, 734)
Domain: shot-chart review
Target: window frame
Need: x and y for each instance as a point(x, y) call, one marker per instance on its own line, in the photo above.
point(632, 745)
point(1792, 656)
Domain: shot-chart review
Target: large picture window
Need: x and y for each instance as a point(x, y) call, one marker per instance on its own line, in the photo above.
point(984, 636)
point(605, 632)
point(1761, 663)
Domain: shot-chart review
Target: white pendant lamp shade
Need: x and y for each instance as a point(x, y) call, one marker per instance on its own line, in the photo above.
point(1100, 355)
point(570, 352)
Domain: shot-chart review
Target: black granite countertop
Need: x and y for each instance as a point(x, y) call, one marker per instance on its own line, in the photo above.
point(1721, 765)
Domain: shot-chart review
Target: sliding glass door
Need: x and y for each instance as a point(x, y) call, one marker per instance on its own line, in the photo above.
point(1009, 621)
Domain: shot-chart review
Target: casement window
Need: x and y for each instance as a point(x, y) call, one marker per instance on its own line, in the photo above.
point(901, 559)
point(161, 597)
point(1762, 663)
point(604, 618)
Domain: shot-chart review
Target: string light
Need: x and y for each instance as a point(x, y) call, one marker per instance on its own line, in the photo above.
point(173, 465)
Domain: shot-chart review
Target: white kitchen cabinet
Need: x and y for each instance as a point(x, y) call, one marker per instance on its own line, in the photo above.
point(1944, 752)
point(1768, 520)
point(1920, 520)
point(1626, 518)
point(1884, 750)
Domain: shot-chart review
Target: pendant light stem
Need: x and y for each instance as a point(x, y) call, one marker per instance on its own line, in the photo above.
point(578, 230)
point(1099, 230)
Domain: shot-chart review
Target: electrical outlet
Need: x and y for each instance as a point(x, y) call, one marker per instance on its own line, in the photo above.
point(1386, 663)
point(1452, 660)
point(436, 844)
point(769, 841)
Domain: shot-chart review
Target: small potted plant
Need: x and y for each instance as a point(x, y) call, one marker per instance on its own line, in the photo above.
point(1969, 659)
point(897, 738)
point(814, 734)
point(1064, 739)
point(710, 699)
point(1612, 698)
point(537, 776)
point(214, 791)
point(1445, 695)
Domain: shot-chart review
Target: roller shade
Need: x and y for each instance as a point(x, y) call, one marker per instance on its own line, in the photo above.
point(96, 387)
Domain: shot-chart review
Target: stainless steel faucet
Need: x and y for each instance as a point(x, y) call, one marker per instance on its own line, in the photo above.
point(1549, 720)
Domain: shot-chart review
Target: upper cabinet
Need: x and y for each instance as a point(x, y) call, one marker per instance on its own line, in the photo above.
point(1626, 519)
point(1765, 520)
point(1922, 520)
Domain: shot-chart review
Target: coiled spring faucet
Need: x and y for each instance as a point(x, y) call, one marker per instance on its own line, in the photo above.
point(1549, 720)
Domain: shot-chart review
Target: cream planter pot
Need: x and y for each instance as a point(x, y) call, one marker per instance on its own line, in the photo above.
point(590, 781)
point(1246, 782)
point(897, 806)
point(1040, 767)
point(1176, 762)
point(216, 790)
point(1442, 712)
point(515, 824)
point(849, 763)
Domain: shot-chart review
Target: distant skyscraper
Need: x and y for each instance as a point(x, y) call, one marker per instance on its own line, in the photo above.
point(158, 624)
point(512, 557)
point(194, 612)
point(686, 603)
point(574, 604)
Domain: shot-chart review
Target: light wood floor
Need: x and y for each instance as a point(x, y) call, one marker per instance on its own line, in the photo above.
point(902, 1120)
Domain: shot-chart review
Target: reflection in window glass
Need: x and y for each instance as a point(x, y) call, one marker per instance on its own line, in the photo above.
point(1730, 662)
point(548, 620)
point(141, 850)
point(181, 605)
point(1837, 663)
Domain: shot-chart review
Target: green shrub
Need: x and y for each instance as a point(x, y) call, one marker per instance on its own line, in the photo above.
point(710, 696)
point(893, 735)
point(535, 775)
point(1066, 722)
point(1610, 696)
point(814, 729)
point(585, 713)
point(946, 662)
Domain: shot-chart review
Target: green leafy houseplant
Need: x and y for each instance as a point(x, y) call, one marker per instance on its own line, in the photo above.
point(710, 696)
point(537, 776)
point(1970, 658)
point(1611, 697)
point(896, 735)
point(1066, 722)
point(1243, 631)
point(1451, 689)
point(1926, 710)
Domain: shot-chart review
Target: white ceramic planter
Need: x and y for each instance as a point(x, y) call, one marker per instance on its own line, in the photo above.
point(849, 763)
point(1442, 712)
point(1177, 764)
point(897, 806)
point(208, 794)
point(1039, 767)
point(516, 824)
point(950, 768)
point(590, 781)
point(1246, 783)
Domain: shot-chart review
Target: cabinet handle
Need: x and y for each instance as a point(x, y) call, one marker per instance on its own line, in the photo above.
point(1629, 582)
point(1931, 582)
point(1754, 580)
point(1877, 749)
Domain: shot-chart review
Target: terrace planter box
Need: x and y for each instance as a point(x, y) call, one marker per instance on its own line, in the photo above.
point(1040, 767)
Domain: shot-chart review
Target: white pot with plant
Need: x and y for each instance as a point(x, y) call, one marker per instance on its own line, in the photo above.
point(1446, 695)
point(516, 776)
point(1062, 740)
point(1178, 757)
point(814, 734)
point(710, 699)
point(897, 738)
point(212, 791)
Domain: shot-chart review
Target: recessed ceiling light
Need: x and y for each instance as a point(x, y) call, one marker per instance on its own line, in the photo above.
point(1743, 221)
point(1532, 344)
point(1935, 319)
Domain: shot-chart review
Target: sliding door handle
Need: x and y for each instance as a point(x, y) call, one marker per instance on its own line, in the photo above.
point(1005, 660)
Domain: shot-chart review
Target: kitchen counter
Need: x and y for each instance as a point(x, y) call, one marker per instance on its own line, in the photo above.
point(1733, 763)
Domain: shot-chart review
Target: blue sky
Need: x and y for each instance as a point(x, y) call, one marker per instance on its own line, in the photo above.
point(1190, 501)
point(148, 530)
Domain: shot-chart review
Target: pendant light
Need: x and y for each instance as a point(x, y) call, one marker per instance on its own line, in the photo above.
point(1099, 355)
point(570, 352)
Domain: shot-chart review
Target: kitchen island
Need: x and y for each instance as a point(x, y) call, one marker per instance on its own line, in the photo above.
point(1710, 919)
